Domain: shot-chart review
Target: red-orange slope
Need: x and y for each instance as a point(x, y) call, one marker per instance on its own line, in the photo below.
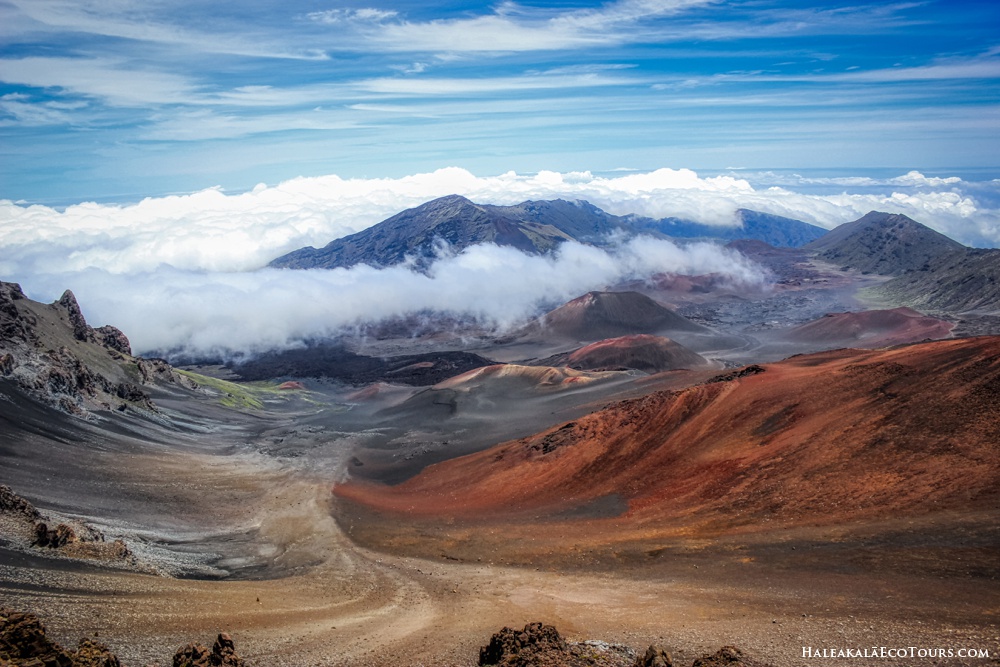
point(822, 438)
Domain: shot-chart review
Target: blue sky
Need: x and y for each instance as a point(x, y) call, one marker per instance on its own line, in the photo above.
point(114, 100)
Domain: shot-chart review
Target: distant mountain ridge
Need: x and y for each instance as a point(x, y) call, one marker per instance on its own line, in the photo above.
point(774, 230)
point(963, 281)
point(932, 271)
point(533, 226)
point(888, 244)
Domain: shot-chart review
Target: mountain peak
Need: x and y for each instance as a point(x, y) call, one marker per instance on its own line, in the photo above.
point(883, 243)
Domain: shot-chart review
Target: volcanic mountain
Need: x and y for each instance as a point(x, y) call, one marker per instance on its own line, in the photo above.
point(641, 352)
point(884, 243)
point(956, 282)
point(774, 230)
point(819, 439)
point(534, 227)
point(872, 328)
point(599, 315)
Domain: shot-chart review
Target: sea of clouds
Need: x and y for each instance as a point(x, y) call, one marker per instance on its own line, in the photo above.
point(188, 273)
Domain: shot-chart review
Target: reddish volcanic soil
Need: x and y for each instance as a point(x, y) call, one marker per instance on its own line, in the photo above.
point(873, 328)
point(878, 441)
point(599, 315)
point(642, 352)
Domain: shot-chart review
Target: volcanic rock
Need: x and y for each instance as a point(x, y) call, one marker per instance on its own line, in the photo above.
point(113, 339)
point(23, 643)
point(655, 656)
point(81, 331)
point(52, 354)
point(540, 645)
point(727, 656)
point(223, 654)
point(11, 503)
point(92, 653)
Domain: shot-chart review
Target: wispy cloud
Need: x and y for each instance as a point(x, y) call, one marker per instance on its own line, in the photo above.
point(104, 78)
point(512, 27)
point(153, 23)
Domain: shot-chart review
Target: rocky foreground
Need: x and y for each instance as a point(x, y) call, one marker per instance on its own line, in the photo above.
point(24, 643)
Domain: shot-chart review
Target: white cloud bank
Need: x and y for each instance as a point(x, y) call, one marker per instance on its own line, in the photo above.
point(186, 271)
point(191, 312)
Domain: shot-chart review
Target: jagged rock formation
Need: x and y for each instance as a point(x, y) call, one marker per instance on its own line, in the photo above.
point(52, 354)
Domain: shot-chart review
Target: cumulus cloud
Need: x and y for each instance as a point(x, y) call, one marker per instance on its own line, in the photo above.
point(225, 313)
point(181, 271)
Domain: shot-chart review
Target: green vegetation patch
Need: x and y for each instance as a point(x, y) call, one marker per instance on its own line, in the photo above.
point(234, 395)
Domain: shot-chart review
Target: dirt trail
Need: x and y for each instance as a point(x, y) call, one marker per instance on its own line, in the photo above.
point(364, 608)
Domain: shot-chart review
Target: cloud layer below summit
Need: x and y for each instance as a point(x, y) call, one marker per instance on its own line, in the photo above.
point(185, 272)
